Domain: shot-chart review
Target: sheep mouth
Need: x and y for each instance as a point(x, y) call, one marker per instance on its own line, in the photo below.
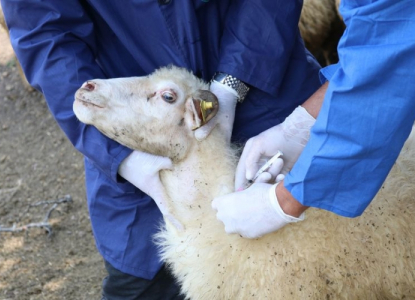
point(88, 103)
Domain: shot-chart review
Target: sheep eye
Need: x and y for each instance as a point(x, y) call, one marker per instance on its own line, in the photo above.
point(168, 96)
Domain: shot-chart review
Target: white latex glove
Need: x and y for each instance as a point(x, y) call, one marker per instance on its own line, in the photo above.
point(271, 174)
point(227, 97)
point(253, 212)
point(289, 137)
point(142, 170)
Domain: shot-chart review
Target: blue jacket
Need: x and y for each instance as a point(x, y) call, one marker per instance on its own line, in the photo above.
point(61, 44)
point(368, 110)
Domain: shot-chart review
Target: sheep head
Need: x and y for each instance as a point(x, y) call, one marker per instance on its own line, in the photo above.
point(156, 113)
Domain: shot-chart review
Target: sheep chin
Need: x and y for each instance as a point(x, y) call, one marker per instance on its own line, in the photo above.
point(82, 112)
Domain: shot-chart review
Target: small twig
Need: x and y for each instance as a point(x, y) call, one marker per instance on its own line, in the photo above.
point(45, 223)
point(49, 212)
point(11, 191)
point(66, 198)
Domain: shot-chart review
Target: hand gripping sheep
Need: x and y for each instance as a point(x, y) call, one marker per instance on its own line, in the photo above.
point(323, 257)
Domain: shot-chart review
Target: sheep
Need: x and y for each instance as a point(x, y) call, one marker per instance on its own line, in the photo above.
point(324, 256)
point(2, 21)
point(321, 27)
point(26, 84)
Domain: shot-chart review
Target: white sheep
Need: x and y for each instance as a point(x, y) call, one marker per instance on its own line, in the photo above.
point(2, 21)
point(321, 27)
point(26, 84)
point(325, 256)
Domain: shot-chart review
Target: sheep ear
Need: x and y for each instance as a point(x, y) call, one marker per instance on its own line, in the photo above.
point(205, 106)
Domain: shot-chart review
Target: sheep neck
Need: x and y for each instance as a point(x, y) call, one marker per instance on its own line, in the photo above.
point(206, 172)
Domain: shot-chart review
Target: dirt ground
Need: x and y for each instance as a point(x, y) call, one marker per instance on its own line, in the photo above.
point(37, 163)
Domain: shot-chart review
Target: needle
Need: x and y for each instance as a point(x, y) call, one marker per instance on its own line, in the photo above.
point(264, 168)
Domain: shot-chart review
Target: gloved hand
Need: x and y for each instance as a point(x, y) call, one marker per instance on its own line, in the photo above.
point(289, 137)
point(253, 212)
point(142, 170)
point(227, 103)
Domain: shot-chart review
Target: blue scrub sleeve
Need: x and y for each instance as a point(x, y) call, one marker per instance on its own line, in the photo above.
point(328, 72)
point(258, 41)
point(54, 42)
point(368, 110)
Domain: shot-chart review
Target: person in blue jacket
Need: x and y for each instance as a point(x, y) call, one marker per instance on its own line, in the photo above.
point(249, 45)
point(365, 109)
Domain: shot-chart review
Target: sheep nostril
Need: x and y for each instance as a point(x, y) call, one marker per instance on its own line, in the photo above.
point(89, 86)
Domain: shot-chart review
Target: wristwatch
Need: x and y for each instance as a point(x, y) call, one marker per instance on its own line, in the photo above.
point(233, 82)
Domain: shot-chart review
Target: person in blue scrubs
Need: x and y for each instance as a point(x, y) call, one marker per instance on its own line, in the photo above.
point(61, 44)
point(365, 111)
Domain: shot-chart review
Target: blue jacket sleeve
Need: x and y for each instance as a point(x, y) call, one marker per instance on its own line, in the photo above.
point(258, 41)
point(368, 110)
point(328, 72)
point(54, 43)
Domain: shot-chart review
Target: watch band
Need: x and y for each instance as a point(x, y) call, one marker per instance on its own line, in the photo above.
point(233, 82)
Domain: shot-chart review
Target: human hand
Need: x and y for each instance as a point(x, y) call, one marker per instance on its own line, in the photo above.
point(253, 212)
point(289, 137)
point(268, 171)
point(142, 170)
point(227, 102)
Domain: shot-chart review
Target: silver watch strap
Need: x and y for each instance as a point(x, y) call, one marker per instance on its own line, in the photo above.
point(233, 82)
